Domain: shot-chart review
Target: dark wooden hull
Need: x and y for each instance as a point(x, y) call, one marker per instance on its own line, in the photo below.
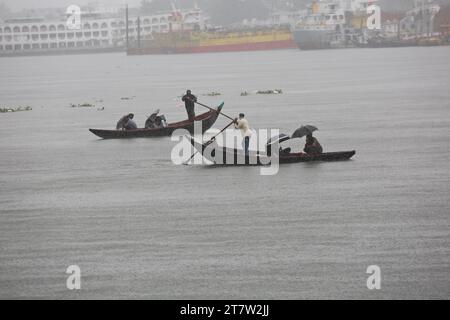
point(233, 157)
point(207, 120)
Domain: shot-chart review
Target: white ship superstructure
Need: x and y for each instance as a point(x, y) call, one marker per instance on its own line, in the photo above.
point(36, 35)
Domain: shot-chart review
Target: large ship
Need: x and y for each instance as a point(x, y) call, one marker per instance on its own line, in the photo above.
point(98, 31)
point(217, 41)
point(189, 32)
point(332, 24)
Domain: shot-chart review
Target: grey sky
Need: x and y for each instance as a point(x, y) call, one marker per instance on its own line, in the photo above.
point(16, 5)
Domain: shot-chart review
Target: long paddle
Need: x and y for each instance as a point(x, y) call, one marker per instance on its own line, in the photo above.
point(204, 105)
point(209, 142)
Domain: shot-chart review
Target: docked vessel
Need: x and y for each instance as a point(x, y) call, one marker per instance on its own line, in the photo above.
point(215, 41)
point(99, 31)
point(332, 24)
point(190, 32)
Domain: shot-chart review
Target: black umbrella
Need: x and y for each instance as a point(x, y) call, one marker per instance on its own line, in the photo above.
point(304, 131)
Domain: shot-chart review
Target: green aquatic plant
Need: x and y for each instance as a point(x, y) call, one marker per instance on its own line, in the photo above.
point(16, 109)
point(83, 105)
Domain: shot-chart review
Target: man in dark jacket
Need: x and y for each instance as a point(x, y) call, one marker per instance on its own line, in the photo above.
point(189, 102)
point(312, 145)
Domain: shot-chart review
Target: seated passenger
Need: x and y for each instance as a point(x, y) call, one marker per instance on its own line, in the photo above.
point(126, 123)
point(131, 125)
point(312, 145)
point(156, 121)
point(160, 121)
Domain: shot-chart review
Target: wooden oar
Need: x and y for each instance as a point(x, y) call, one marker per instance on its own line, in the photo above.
point(209, 142)
point(212, 109)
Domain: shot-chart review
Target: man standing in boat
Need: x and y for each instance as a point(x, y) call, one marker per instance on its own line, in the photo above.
point(189, 102)
point(242, 124)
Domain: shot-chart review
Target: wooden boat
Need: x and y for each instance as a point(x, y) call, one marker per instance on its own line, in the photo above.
point(226, 156)
point(207, 120)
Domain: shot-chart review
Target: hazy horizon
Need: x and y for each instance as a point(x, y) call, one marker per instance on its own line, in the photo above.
point(17, 5)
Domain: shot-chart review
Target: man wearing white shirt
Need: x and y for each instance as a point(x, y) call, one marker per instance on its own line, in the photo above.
point(242, 124)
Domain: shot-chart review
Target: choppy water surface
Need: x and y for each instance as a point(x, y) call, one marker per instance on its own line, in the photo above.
point(141, 227)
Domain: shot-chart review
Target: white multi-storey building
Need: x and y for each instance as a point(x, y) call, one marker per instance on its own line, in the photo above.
point(35, 35)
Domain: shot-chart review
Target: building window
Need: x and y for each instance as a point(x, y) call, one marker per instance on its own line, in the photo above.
point(44, 36)
point(7, 30)
point(87, 34)
point(61, 27)
point(52, 28)
point(25, 29)
point(61, 36)
point(104, 25)
point(44, 46)
point(104, 33)
point(79, 44)
point(53, 45)
point(18, 47)
point(26, 46)
point(35, 37)
point(43, 29)
point(87, 26)
point(95, 26)
point(79, 34)
point(16, 29)
point(35, 46)
point(34, 29)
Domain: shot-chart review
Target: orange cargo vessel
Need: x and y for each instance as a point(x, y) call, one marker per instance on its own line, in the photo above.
point(202, 42)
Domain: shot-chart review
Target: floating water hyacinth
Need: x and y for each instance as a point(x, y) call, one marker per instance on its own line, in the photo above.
point(276, 91)
point(17, 109)
point(212, 94)
point(83, 105)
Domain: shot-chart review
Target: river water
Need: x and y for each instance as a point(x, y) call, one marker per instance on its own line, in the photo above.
point(139, 226)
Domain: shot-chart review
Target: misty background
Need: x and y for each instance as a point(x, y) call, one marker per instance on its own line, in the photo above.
point(221, 11)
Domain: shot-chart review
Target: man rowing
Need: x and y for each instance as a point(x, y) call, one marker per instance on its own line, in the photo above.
point(189, 102)
point(126, 123)
point(242, 124)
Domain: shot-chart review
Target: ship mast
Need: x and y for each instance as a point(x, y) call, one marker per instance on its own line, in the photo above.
point(126, 24)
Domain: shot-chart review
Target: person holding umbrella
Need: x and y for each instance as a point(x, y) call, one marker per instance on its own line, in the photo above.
point(312, 145)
